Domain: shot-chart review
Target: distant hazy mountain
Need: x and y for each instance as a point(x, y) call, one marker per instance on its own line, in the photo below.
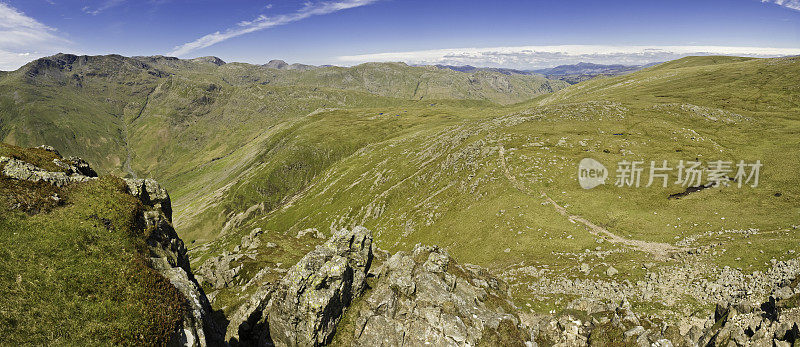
point(472, 69)
point(584, 71)
point(569, 73)
point(282, 65)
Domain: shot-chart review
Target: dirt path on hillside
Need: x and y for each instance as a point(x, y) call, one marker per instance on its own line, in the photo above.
point(659, 250)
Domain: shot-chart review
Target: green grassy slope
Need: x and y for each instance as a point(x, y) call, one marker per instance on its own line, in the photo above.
point(471, 179)
point(171, 119)
point(75, 269)
point(733, 84)
point(240, 148)
point(76, 103)
point(423, 83)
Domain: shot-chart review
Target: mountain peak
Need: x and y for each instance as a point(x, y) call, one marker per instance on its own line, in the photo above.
point(277, 64)
point(210, 59)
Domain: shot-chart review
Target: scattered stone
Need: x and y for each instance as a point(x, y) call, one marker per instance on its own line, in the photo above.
point(310, 231)
point(252, 241)
point(611, 271)
point(636, 331)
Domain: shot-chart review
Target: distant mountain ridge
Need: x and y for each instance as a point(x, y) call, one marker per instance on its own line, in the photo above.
point(571, 74)
point(585, 71)
point(473, 69)
point(282, 65)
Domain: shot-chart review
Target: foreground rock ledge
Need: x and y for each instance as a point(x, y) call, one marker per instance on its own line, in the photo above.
point(310, 300)
point(424, 298)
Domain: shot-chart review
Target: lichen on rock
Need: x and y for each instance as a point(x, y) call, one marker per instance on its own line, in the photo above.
point(311, 299)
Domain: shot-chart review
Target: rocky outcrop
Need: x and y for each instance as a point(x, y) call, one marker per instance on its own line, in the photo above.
point(168, 256)
point(210, 60)
point(218, 271)
point(282, 65)
point(735, 322)
point(74, 171)
point(277, 64)
point(772, 323)
point(248, 325)
point(167, 251)
point(425, 298)
point(151, 194)
point(311, 299)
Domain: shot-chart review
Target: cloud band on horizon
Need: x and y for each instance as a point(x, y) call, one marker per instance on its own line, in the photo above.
point(263, 22)
point(532, 57)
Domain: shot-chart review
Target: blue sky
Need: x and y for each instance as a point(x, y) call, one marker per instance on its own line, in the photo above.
point(519, 34)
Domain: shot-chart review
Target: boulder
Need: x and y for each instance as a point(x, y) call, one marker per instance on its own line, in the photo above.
point(151, 194)
point(18, 169)
point(248, 324)
point(311, 299)
point(424, 297)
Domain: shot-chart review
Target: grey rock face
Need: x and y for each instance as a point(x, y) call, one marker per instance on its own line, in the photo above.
point(424, 297)
point(151, 194)
point(218, 270)
point(75, 165)
point(210, 60)
point(49, 149)
point(248, 325)
point(611, 271)
point(773, 323)
point(168, 256)
point(311, 299)
point(21, 170)
point(282, 65)
point(252, 241)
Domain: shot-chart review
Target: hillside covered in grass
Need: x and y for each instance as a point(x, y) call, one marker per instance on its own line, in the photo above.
point(263, 165)
point(82, 259)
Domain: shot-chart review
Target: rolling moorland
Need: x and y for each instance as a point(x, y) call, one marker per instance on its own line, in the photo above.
point(265, 164)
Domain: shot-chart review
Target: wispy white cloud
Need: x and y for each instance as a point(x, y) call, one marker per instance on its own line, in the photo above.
point(792, 4)
point(263, 22)
point(23, 38)
point(105, 5)
point(532, 57)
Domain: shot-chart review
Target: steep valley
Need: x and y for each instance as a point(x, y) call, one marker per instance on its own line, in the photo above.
point(452, 180)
